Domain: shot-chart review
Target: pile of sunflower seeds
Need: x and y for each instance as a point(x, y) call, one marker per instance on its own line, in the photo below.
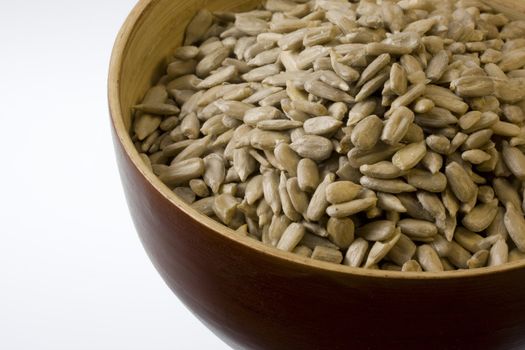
point(377, 134)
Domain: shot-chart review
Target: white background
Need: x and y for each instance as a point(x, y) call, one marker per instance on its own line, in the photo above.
point(73, 274)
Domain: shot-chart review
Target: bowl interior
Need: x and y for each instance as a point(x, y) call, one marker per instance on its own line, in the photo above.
point(150, 34)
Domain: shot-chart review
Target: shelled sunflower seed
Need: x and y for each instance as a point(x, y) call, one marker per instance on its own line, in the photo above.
point(374, 133)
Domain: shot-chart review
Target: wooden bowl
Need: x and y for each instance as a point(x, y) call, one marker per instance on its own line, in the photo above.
point(255, 297)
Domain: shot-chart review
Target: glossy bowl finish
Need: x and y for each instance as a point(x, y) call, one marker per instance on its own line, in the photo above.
point(254, 297)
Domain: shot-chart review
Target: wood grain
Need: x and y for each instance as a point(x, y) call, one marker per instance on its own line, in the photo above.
point(254, 297)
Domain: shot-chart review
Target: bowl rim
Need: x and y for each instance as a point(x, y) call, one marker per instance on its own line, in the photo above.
point(122, 41)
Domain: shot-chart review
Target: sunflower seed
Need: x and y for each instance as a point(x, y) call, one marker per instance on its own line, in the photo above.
point(473, 86)
point(243, 163)
point(256, 48)
point(307, 175)
point(342, 210)
point(398, 79)
point(214, 174)
point(225, 207)
point(506, 193)
point(298, 198)
point(431, 203)
point(411, 266)
point(183, 171)
point(199, 187)
point(515, 160)
point(360, 110)
point(475, 156)
point(470, 119)
point(428, 259)
point(318, 203)
point(302, 250)
point(397, 125)
point(321, 125)
point(186, 52)
point(291, 237)
point(356, 253)
point(286, 202)
point(307, 57)
point(157, 108)
point(437, 65)
point(515, 225)
point(403, 251)
point(497, 227)
point(338, 110)
point(278, 125)
point(432, 161)
point(374, 68)
point(179, 68)
point(313, 240)
point(340, 231)
point(451, 251)
point(427, 181)
point(380, 249)
point(423, 105)
point(327, 254)
point(506, 129)
point(380, 230)
point(410, 96)
point(381, 170)
point(220, 76)
point(443, 100)
point(254, 189)
point(277, 227)
point(372, 86)
point(186, 194)
point(413, 69)
point(211, 62)
point(468, 239)
point(478, 139)
point(498, 253)
point(345, 72)
point(273, 99)
point(314, 147)
point(342, 191)
point(479, 259)
point(264, 213)
point(198, 26)
point(390, 202)
point(460, 182)
point(316, 109)
point(516, 255)
point(324, 90)
point(270, 184)
point(380, 152)
point(366, 133)
point(418, 229)
point(436, 118)
point(388, 186)
point(438, 143)
point(267, 140)
point(409, 156)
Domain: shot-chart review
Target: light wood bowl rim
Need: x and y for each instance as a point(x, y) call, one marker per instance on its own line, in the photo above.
point(115, 69)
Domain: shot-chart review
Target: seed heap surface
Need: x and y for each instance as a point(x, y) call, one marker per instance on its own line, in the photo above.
point(377, 134)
